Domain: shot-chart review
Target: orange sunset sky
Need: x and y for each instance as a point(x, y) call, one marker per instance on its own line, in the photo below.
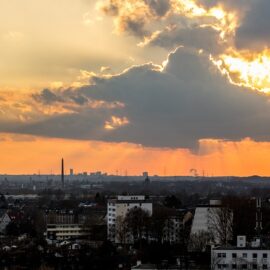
point(162, 86)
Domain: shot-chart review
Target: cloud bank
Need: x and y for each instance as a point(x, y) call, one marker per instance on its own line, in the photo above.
point(172, 106)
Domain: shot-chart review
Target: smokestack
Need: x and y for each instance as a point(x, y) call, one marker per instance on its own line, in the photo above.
point(63, 173)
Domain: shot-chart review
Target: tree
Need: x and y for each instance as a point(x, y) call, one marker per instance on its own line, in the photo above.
point(199, 241)
point(221, 224)
point(121, 229)
point(158, 222)
point(172, 202)
point(215, 260)
point(244, 214)
point(137, 221)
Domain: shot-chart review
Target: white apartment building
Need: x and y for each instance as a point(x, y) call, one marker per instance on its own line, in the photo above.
point(119, 208)
point(202, 216)
point(242, 256)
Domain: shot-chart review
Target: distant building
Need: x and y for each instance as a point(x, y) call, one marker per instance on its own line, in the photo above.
point(243, 256)
point(71, 172)
point(119, 208)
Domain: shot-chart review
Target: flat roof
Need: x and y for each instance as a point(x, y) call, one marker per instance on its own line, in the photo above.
point(129, 201)
point(242, 248)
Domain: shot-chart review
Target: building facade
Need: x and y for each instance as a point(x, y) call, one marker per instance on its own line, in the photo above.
point(63, 225)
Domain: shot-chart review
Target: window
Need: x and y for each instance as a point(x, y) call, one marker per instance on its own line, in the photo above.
point(234, 255)
point(233, 266)
point(254, 255)
point(254, 266)
point(244, 266)
point(264, 255)
point(264, 266)
point(244, 255)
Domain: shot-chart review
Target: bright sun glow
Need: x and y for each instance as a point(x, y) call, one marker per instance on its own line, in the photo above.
point(247, 69)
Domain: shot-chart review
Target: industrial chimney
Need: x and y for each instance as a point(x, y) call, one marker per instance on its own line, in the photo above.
point(62, 173)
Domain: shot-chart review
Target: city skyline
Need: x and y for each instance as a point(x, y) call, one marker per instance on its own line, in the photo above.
point(161, 86)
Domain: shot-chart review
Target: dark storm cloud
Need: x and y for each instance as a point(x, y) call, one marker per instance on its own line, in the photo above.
point(254, 31)
point(160, 7)
point(47, 97)
point(196, 37)
point(187, 101)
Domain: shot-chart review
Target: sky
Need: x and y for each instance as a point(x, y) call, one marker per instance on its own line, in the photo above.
point(127, 86)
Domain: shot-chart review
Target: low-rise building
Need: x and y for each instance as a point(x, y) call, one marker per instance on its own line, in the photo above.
point(243, 256)
point(62, 225)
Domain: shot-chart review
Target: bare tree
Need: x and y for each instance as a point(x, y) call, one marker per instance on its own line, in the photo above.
point(121, 230)
point(199, 241)
point(159, 220)
point(138, 221)
point(215, 260)
point(220, 223)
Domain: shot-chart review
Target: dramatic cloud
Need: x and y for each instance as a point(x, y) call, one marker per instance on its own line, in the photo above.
point(254, 30)
point(144, 17)
point(234, 33)
point(160, 7)
point(173, 106)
